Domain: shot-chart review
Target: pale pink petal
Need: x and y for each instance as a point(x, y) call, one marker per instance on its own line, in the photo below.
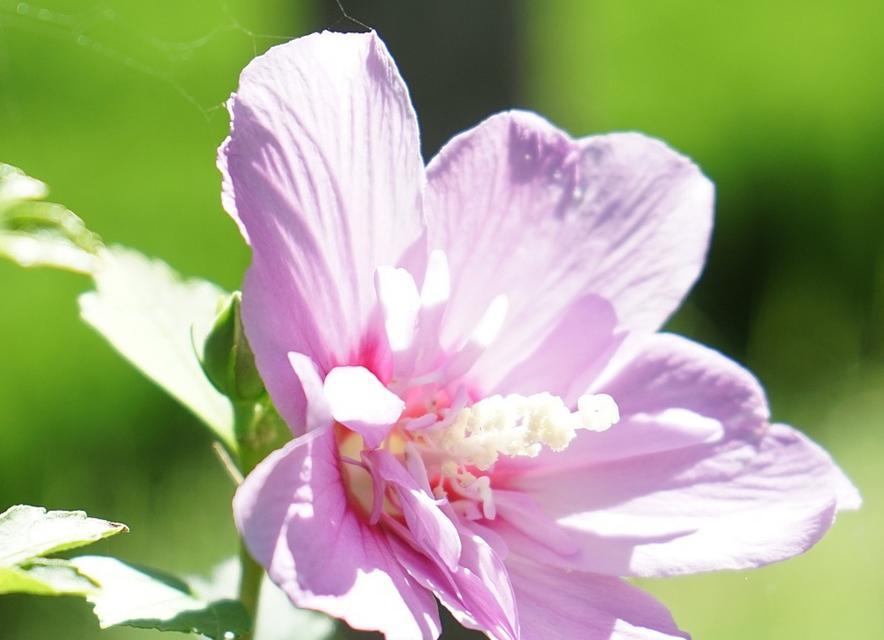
point(360, 401)
point(432, 530)
point(570, 356)
point(662, 372)
point(293, 515)
point(847, 495)
point(555, 605)
point(523, 210)
point(323, 172)
point(317, 413)
point(519, 514)
point(478, 594)
point(672, 393)
point(726, 492)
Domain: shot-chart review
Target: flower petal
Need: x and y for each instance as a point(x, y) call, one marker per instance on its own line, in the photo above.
point(317, 413)
point(361, 402)
point(672, 393)
point(432, 530)
point(691, 500)
point(322, 171)
point(523, 210)
point(520, 512)
point(293, 515)
point(570, 356)
point(400, 304)
point(557, 605)
point(662, 372)
point(478, 594)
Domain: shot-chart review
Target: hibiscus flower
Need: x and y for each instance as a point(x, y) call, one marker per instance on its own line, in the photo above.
point(484, 414)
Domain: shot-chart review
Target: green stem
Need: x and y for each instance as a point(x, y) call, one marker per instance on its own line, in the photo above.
point(250, 587)
point(244, 416)
point(251, 573)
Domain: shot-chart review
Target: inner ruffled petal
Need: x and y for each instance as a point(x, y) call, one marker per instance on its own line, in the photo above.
point(361, 402)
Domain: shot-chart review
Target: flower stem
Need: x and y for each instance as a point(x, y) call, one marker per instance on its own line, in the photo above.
point(251, 573)
point(249, 587)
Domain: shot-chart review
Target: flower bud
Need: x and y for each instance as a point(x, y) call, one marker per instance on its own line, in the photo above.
point(227, 359)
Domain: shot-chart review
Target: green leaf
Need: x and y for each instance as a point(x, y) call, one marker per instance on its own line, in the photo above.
point(16, 187)
point(142, 598)
point(27, 532)
point(45, 577)
point(36, 233)
point(278, 618)
point(143, 308)
point(154, 318)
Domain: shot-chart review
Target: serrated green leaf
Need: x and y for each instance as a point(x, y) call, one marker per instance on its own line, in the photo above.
point(142, 598)
point(219, 620)
point(15, 580)
point(27, 532)
point(154, 318)
point(278, 618)
point(34, 233)
point(142, 307)
point(45, 577)
point(16, 186)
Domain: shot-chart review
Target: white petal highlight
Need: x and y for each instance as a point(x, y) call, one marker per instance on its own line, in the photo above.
point(361, 402)
point(400, 304)
point(492, 321)
point(437, 281)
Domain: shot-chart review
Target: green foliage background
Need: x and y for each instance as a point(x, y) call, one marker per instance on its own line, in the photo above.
point(117, 106)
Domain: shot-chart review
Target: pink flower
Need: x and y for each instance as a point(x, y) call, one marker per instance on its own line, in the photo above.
point(466, 354)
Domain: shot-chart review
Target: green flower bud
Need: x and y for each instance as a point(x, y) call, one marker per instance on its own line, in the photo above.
point(227, 359)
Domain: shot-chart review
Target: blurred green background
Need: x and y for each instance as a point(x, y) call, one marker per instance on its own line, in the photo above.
point(117, 106)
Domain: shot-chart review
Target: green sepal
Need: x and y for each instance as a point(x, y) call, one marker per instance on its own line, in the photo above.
point(260, 430)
